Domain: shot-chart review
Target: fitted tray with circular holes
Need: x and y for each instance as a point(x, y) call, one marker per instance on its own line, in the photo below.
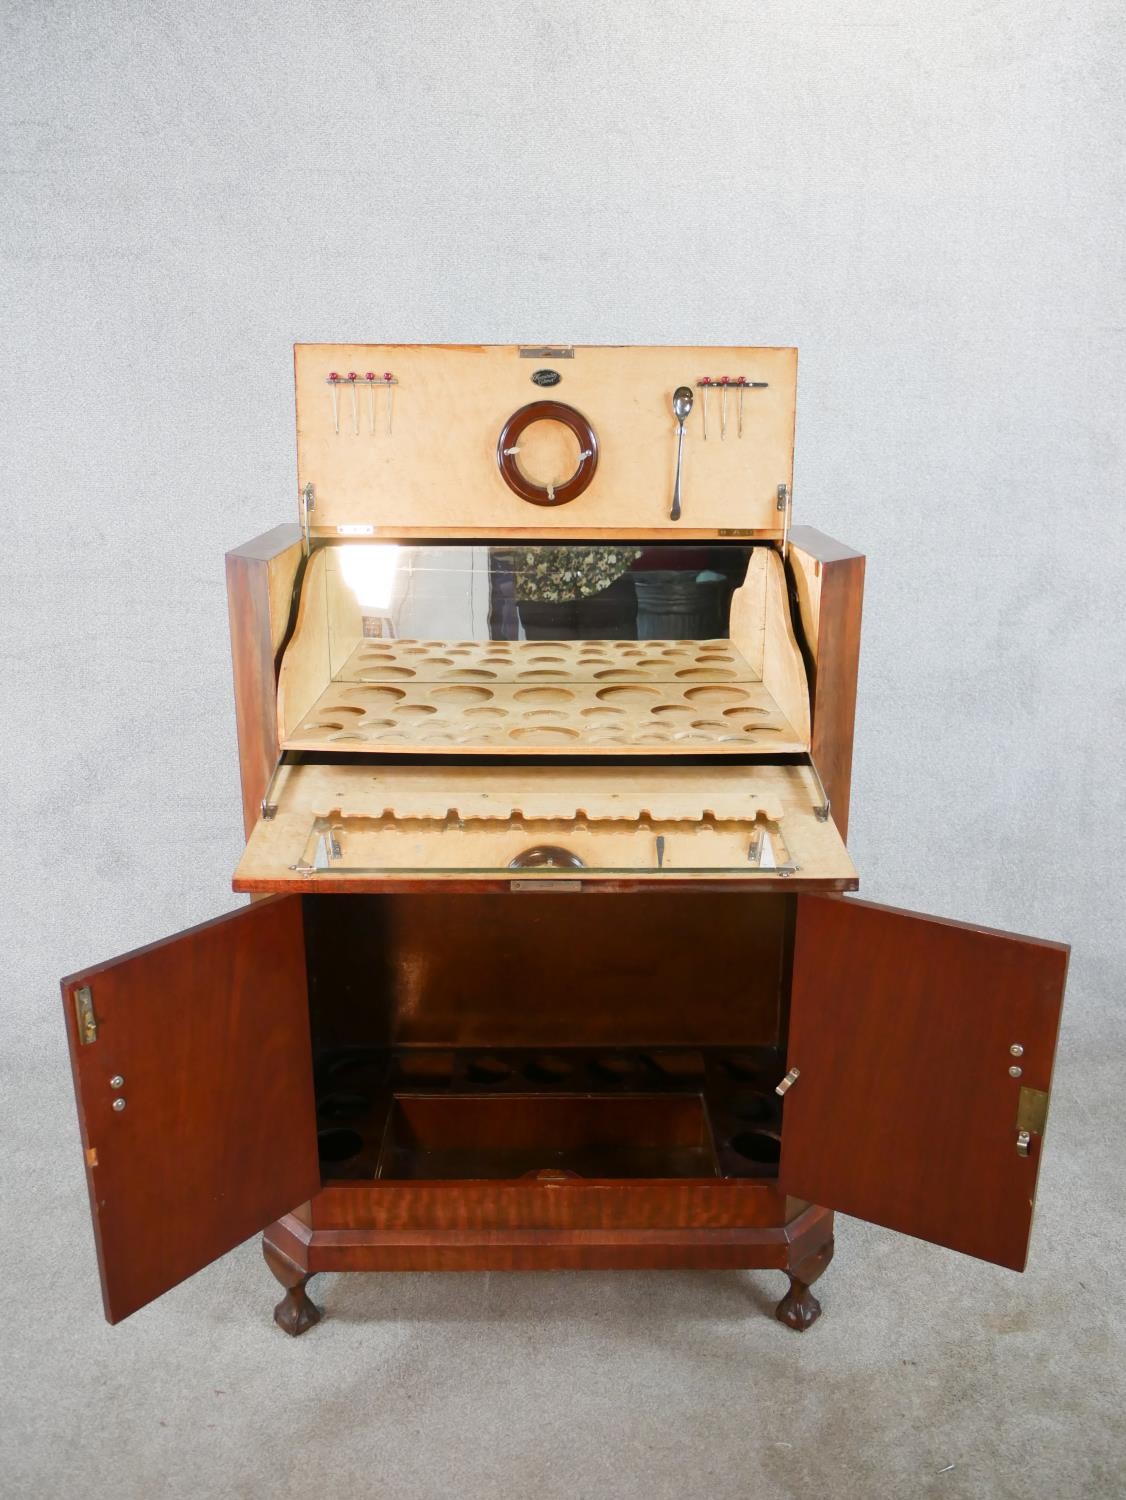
point(607, 696)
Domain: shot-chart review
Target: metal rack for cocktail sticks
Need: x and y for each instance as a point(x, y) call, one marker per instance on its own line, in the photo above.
point(354, 381)
point(723, 384)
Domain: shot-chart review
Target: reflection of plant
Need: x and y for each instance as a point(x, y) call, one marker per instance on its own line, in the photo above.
point(555, 574)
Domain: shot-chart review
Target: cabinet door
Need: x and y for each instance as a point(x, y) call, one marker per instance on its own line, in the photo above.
point(193, 1072)
point(924, 1049)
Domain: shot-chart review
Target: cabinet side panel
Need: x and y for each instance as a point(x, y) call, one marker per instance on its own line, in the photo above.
point(260, 582)
point(827, 584)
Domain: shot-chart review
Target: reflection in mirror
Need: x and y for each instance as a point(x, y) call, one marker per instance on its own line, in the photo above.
point(546, 592)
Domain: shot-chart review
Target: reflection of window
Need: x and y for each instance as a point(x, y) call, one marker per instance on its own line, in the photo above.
point(369, 572)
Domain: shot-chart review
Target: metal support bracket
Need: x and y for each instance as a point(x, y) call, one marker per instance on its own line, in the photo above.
point(821, 812)
point(268, 807)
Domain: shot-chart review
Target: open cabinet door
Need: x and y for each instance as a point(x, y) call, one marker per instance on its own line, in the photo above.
point(909, 1111)
point(193, 1072)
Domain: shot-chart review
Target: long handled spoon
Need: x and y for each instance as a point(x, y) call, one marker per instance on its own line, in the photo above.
point(681, 406)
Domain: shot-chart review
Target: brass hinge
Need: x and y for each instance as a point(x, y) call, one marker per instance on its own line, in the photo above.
point(308, 501)
point(785, 504)
point(84, 1011)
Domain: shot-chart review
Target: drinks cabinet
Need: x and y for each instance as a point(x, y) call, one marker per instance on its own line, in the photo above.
point(545, 722)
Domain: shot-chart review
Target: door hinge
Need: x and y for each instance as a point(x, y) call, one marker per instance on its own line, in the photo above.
point(784, 503)
point(547, 351)
point(84, 1011)
point(1032, 1117)
point(788, 1082)
point(308, 502)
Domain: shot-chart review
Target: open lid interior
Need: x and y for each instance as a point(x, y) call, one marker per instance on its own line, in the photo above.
point(404, 440)
point(549, 649)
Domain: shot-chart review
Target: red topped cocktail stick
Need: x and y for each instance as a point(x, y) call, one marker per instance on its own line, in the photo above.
point(333, 380)
point(705, 382)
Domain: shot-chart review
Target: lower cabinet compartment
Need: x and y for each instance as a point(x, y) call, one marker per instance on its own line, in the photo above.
point(560, 1064)
point(546, 1136)
point(420, 1114)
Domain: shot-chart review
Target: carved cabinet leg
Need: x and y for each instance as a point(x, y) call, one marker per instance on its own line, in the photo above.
point(799, 1308)
point(294, 1313)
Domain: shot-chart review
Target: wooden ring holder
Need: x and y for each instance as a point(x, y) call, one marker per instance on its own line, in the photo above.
point(547, 411)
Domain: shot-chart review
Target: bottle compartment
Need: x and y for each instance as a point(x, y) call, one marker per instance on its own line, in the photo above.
point(464, 1114)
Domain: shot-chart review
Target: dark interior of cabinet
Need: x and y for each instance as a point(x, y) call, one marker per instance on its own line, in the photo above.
point(600, 1036)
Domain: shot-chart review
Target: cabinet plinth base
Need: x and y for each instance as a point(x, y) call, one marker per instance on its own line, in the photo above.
point(802, 1246)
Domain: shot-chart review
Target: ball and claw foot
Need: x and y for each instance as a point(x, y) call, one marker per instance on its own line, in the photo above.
point(799, 1308)
point(294, 1313)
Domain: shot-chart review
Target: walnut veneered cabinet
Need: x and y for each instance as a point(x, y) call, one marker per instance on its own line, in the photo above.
point(549, 962)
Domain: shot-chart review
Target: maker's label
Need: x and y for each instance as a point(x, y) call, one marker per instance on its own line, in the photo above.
point(545, 885)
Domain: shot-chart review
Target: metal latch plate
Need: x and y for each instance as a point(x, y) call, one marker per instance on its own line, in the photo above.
point(1032, 1111)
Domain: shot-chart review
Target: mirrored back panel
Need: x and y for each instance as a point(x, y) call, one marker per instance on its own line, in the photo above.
point(552, 646)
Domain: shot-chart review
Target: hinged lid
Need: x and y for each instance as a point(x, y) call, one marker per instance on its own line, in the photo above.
point(551, 440)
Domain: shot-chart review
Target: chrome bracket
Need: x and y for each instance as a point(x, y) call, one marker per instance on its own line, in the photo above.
point(267, 807)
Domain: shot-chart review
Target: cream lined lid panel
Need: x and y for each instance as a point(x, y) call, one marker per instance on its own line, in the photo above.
point(345, 822)
point(615, 696)
point(413, 451)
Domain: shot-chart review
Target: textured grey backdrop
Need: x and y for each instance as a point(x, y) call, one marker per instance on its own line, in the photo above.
point(927, 201)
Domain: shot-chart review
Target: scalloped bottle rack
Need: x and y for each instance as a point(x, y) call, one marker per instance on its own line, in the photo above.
point(610, 696)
